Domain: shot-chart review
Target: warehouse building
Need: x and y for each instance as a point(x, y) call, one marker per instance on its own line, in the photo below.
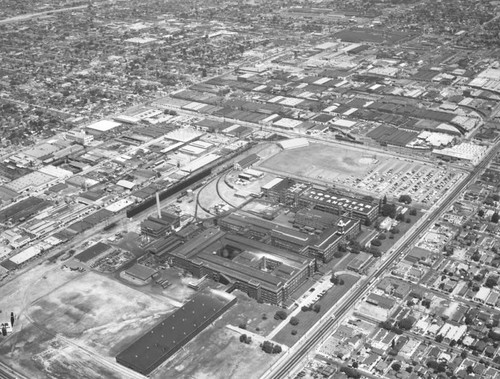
point(153, 348)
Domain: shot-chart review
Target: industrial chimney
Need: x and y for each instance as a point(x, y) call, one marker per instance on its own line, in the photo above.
point(158, 208)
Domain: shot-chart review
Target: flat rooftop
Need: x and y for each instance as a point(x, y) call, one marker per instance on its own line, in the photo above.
point(153, 348)
point(330, 199)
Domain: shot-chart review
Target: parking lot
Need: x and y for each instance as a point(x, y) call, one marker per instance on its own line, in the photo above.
point(425, 184)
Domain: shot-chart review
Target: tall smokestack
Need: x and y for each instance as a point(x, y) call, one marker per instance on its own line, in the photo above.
point(158, 208)
point(264, 263)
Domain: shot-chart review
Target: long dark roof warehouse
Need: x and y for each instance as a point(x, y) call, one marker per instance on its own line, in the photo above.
point(149, 351)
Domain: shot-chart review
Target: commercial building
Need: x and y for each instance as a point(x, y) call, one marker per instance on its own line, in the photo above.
point(33, 181)
point(315, 219)
point(331, 202)
point(79, 137)
point(102, 126)
point(159, 227)
point(264, 272)
point(321, 246)
point(465, 152)
point(284, 190)
point(141, 272)
point(291, 192)
point(153, 348)
point(246, 162)
point(91, 254)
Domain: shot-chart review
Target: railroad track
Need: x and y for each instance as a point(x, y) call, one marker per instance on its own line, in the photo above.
point(329, 325)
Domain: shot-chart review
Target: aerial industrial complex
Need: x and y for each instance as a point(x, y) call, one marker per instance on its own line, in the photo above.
point(250, 189)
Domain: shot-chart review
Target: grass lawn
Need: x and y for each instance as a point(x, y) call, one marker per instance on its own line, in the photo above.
point(403, 228)
point(308, 319)
point(258, 318)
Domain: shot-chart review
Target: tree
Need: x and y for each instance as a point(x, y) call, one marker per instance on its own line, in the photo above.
point(280, 315)
point(396, 366)
point(491, 282)
point(463, 354)
point(388, 210)
point(413, 212)
point(317, 308)
point(351, 372)
point(277, 349)
point(242, 326)
point(376, 242)
point(336, 280)
point(406, 323)
point(432, 364)
point(387, 325)
point(480, 213)
point(405, 199)
point(294, 332)
point(375, 252)
point(408, 220)
point(294, 321)
point(338, 254)
point(495, 217)
point(400, 217)
point(267, 347)
point(439, 338)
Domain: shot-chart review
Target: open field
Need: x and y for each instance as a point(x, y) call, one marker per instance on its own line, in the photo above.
point(258, 318)
point(40, 355)
point(71, 325)
point(327, 162)
point(101, 313)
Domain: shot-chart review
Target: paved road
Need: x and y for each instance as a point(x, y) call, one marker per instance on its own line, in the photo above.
point(25, 17)
point(289, 362)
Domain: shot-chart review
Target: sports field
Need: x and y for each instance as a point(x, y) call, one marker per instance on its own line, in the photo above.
point(324, 162)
